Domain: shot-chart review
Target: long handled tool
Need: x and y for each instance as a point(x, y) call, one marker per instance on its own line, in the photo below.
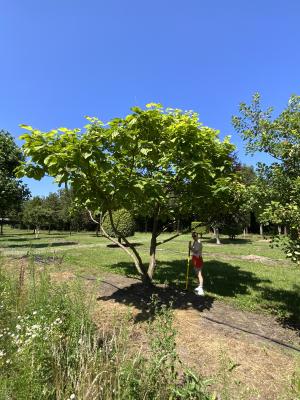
point(188, 268)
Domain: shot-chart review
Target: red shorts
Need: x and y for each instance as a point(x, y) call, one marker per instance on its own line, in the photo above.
point(197, 262)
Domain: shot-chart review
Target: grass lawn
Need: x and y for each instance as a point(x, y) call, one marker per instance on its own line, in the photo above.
point(264, 286)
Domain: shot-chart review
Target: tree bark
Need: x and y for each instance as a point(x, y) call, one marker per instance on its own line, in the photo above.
point(279, 229)
point(153, 244)
point(285, 230)
point(178, 226)
point(1, 227)
point(217, 235)
point(37, 232)
point(261, 229)
point(133, 253)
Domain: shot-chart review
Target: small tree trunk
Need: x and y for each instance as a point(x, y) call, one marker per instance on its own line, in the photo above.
point(153, 244)
point(217, 235)
point(1, 227)
point(244, 232)
point(178, 226)
point(133, 253)
point(37, 232)
point(261, 229)
point(285, 230)
point(279, 229)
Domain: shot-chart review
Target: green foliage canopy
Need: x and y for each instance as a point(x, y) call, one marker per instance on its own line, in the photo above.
point(157, 162)
point(12, 190)
point(280, 181)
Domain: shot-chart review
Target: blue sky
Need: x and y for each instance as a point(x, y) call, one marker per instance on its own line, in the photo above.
point(63, 59)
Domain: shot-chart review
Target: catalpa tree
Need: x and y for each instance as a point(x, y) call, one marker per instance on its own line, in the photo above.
point(157, 162)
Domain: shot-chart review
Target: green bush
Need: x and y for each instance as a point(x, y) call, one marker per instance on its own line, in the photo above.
point(124, 224)
point(199, 227)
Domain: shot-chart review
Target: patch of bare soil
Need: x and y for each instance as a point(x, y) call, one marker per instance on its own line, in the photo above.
point(61, 276)
point(251, 352)
point(250, 257)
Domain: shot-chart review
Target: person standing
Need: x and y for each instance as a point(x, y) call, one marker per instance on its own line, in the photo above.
point(196, 248)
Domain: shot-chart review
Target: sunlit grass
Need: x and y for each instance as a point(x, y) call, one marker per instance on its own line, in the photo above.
point(258, 285)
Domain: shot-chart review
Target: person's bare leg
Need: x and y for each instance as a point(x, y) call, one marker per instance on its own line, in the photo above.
point(200, 278)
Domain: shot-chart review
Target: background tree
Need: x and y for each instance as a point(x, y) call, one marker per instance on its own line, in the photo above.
point(226, 208)
point(35, 214)
point(12, 190)
point(52, 211)
point(141, 163)
point(280, 138)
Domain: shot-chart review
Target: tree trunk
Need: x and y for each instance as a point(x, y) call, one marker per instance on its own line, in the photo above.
point(1, 227)
point(133, 253)
point(285, 230)
point(261, 229)
point(244, 232)
point(37, 232)
point(279, 229)
point(153, 244)
point(217, 235)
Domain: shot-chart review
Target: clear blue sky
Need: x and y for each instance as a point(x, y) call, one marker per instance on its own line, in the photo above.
point(63, 59)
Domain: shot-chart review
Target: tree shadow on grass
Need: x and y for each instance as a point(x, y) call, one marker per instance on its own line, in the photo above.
point(229, 241)
point(41, 245)
point(220, 278)
point(123, 244)
point(142, 298)
point(23, 239)
point(285, 303)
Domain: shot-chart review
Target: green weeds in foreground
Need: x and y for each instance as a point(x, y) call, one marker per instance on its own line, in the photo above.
point(50, 349)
